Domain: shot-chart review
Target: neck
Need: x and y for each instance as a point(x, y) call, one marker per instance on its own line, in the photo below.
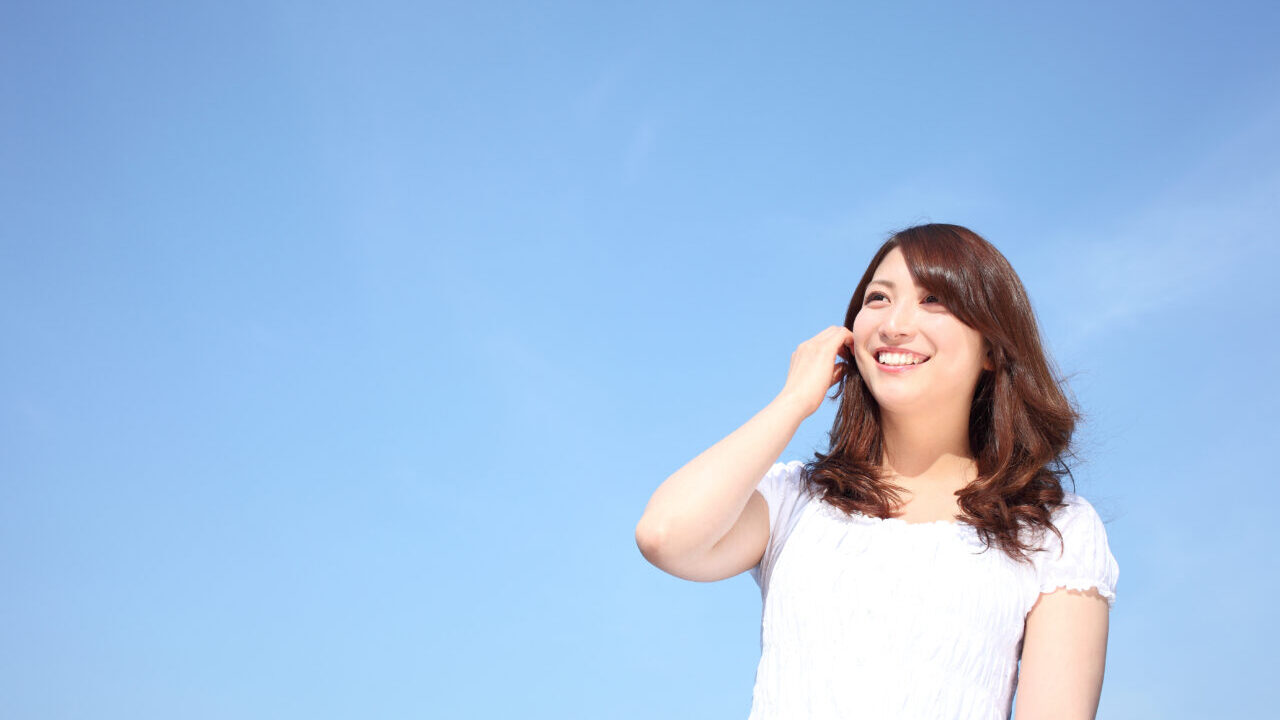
point(928, 452)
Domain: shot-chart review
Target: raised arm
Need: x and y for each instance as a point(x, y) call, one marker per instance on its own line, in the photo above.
point(706, 522)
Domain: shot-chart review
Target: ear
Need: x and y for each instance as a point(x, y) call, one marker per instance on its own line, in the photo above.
point(987, 362)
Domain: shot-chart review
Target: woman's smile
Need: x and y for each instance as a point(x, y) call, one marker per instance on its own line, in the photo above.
point(898, 360)
point(897, 369)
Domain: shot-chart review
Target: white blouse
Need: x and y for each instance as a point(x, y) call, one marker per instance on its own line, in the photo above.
point(866, 617)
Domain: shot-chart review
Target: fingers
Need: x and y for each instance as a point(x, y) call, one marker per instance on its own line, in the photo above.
point(842, 340)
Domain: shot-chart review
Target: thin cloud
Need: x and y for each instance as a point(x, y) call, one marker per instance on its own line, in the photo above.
point(1194, 238)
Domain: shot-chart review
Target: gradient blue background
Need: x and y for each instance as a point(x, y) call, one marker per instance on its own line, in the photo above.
point(343, 344)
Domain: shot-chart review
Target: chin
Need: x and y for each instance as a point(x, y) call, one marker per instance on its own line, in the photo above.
point(901, 404)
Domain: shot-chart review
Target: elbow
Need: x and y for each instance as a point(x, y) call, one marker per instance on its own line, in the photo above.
point(656, 546)
point(649, 539)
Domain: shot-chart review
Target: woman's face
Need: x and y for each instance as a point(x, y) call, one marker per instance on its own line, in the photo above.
point(908, 319)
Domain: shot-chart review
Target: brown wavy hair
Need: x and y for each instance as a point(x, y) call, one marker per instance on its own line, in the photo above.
point(1020, 424)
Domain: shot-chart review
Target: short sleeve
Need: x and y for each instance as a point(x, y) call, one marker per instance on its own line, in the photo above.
point(1082, 559)
point(783, 489)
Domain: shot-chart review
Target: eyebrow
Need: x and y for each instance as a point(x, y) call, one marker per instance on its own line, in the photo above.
point(887, 283)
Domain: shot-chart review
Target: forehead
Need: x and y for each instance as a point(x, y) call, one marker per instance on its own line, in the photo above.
point(892, 272)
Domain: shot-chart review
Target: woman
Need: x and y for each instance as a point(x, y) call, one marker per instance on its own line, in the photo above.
point(906, 572)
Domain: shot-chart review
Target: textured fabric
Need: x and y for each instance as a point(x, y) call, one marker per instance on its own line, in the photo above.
point(866, 617)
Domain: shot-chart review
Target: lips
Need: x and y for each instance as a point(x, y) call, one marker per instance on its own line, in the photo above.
point(897, 369)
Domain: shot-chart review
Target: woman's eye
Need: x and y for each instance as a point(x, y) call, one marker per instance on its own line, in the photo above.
point(872, 297)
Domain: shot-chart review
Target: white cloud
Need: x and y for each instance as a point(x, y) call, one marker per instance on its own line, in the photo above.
point(1199, 234)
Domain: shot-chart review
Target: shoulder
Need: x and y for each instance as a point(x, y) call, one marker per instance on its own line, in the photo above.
point(1076, 527)
point(1076, 513)
point(1082, 557)
point(791, 469)
point(791, 466)
point(783, 478)
point(785, 488)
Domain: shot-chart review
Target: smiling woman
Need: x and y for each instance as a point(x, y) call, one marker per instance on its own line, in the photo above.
point(908, 570)
point(916, 327)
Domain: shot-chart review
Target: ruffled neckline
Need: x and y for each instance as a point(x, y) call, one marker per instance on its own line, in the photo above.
point(959, 528)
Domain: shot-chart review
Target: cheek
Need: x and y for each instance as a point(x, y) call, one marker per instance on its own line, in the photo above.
point(862, 325)
point(861, 339)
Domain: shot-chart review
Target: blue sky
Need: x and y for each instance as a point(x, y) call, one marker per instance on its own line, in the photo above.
point(345, 343)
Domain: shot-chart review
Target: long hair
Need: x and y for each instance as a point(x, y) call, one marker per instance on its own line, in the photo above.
point(1021, 421)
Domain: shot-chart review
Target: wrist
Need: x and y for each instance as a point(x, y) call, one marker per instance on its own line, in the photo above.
point(792, 404)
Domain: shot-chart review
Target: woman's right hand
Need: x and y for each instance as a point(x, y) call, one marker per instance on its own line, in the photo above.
point(814, 368)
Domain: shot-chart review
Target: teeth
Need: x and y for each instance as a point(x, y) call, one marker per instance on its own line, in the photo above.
point(900, 359)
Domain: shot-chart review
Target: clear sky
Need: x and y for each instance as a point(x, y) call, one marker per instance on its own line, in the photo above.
point(344, 343)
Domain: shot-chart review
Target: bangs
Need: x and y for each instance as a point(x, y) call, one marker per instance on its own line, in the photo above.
point(947, 266)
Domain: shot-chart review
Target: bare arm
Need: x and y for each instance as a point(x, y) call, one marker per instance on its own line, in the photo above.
point(706, 521)
point(698, 505)
point(1064, 654)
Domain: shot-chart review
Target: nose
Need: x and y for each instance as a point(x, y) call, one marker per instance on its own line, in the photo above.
point(899, 322)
